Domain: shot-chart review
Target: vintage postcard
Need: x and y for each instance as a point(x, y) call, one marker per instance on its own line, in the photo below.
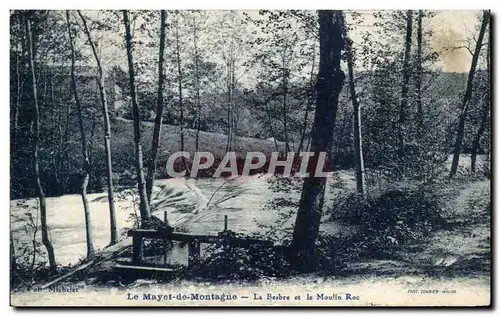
point(250, 158)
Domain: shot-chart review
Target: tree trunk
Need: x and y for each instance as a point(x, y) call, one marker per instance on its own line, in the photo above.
point(285, 108)
point(270, 122)
point(179, 84)
point(86, 164)
point(467, 96)
point(13, 261)
point(484, 116)
point(418, 81)
point(159, 108)
point(406, 80)
point(310, 101)
point(141, 186)
point(356, 114)
point(107, 133)
point(17, 97)
point(230, 90)
point(197, 88)
point(328, 87)
point(34, 143)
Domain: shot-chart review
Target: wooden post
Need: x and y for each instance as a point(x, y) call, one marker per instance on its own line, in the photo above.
point(225, 222)
point(137, 250)
point(194, 253)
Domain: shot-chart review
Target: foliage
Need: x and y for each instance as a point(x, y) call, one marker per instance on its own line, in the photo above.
point(246, 264)
point(393, 217)
point(29, 257)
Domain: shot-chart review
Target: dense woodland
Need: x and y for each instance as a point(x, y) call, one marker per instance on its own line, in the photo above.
point(99, 99)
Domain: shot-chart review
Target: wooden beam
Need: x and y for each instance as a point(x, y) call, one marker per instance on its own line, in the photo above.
point(164, 234)
point(146, 268)
point(137, 249)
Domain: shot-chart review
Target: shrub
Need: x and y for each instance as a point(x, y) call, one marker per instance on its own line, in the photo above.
point(391, 218)
point(235, 263)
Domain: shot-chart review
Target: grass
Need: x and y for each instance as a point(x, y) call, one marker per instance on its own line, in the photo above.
point(123, 138)
point(123, 150)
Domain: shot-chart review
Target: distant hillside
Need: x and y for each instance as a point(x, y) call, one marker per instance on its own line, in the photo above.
point(123, 137)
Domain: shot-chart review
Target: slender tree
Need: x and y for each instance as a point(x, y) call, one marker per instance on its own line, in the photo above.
point(34, 143)
point(196, 56)
point(356, 115)
point(141, 185)
point(86, 164)
point(107, 132)
point(485, 110)
point(179, 81)
point(467, 95)
point(406, 80)
point(285, 76)
point(419, 77)
point(230, 87)
point(159, 107)
point(328, 87)
point(310, 102)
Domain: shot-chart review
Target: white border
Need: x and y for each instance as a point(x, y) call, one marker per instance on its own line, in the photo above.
point(186, 4)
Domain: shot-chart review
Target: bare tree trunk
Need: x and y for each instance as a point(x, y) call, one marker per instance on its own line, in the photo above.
point(159, 107)
point(17, 96)
point(486, 110)
point(86, 164)
point(230, 90)
point(13, 259)
point(467, 96)
point(328, 87)
point(356, 114)
point(34, 143)
point(285, 108)
point(34, 225)
point(310, 101)
point(179, 84)
point(418, 82)
point(107, 134)
point(406, 80)
point(141, 186)
point(197, 88)
point(270, 122)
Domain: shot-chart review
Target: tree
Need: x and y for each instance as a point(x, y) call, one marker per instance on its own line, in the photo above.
point(86, 163)
point(406, 79)
point(107, 132)
point(328, 87)
point(310, 103)
point(356, 115)
point(283, 55)
point(179, 80)
point(418, 81)
point(144, 203)
point(231, 47)
point(485, 110)
point(196, 57)
point(467, 96)
point(34, 143)
point(159, 107)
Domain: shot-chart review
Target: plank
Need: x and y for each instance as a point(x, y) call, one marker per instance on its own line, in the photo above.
point(96, 260)
point(134, 267)
point(163, 234)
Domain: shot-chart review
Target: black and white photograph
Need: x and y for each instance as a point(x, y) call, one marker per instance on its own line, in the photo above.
point(334, 158)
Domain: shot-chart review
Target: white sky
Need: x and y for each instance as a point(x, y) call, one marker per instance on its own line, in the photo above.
point(450, 28)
